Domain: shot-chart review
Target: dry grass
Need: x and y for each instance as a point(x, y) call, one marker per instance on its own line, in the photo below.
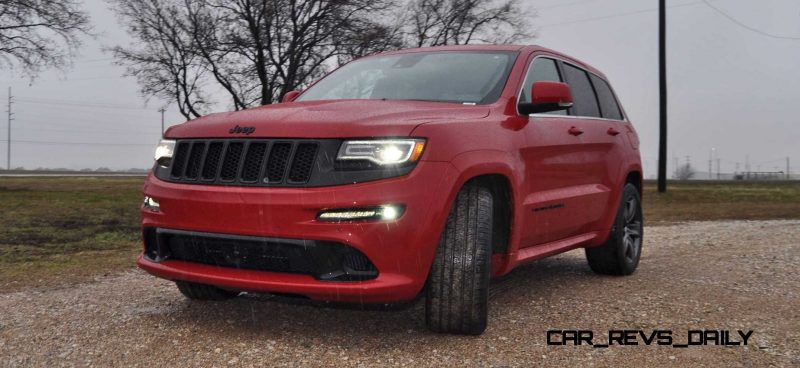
point(58, 230)
point(707, 201)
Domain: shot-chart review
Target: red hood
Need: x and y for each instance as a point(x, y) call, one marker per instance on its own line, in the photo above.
point(327, 119)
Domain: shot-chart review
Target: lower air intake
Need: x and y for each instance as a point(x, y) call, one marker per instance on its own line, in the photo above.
point(329, 261)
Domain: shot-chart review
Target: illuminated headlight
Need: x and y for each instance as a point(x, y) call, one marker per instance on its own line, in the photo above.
point(385, 213)
point(151, 204)
point(383, 152)
point(164, 152)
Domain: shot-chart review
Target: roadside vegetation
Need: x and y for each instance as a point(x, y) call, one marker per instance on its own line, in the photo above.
point(59, 230)
point(728, 200)
point(54, 230)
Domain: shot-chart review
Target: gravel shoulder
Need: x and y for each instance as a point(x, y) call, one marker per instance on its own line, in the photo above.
point(700, 275)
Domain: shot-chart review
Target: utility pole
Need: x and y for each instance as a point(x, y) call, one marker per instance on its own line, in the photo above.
point(8, 136)
point(677, 163)
point(711, 163)
point(162, 110)
point(662, 78)
point(718, 174)
point(788, 176)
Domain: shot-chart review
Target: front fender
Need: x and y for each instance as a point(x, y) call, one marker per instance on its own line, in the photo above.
point(473, 164)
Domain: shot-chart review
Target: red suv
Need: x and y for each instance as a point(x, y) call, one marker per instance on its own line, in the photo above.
point(416, 171)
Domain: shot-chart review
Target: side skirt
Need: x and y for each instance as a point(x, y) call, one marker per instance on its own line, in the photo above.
point(502, 264)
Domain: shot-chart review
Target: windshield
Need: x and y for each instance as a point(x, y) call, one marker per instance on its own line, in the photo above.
point(445, 76)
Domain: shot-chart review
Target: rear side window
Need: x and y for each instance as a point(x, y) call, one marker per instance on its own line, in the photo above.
point(608, 104)
point(585, 101)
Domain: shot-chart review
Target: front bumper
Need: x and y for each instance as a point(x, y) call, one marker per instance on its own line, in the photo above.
point(401, 250)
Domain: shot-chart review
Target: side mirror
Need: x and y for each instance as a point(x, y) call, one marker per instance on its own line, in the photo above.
point(547, 97)
point(290, 96)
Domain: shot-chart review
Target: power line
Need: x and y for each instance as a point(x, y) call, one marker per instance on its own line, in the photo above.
point(82, 143)
point(747, 27)
point(96, 113)
point(85, 130)
point(84, 117)
point(616, 15)
point(104, 105)
point(562, 5)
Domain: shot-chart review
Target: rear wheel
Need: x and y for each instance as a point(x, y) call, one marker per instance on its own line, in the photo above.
point(458, 286)
point(620, 254)
point(204, 292)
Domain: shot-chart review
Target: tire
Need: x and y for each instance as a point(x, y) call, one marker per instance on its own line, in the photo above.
point(621, 253)
point(458, 285)
point(204, 292)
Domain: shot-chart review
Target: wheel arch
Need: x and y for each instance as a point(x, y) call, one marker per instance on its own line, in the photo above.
point(500, 173)
point(635, 177)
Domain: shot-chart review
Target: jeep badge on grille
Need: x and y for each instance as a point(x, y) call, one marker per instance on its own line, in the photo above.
point(244, 130)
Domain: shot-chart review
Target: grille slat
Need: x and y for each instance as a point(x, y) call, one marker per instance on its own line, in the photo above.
point(211, 163)
point(303, 162)
point(230, 164)
point(253, 161)
point(179, 160)
point(244, 161)
point(195, 155)
point(278, 160)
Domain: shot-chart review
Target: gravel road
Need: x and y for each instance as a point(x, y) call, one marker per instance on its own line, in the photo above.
point(703, 275)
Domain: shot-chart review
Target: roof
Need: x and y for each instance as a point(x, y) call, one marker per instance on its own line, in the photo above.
point(473, 47)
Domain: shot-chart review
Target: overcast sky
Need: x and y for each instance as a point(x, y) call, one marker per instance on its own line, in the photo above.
point(732, 89)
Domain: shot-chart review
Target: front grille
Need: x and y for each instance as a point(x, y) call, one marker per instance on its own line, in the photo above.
point(244, 161)
point(324, 260)
point(268, 162)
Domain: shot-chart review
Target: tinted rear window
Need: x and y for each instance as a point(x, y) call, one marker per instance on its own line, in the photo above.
point(585, 101)
point(608, 104)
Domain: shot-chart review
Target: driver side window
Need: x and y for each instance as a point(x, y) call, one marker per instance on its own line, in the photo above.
point(541, 69)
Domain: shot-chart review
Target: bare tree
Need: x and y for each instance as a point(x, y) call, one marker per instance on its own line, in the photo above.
point(165, 61)
point(684, 172)
point(255, 51)
point(38, 34)
point(458, 22)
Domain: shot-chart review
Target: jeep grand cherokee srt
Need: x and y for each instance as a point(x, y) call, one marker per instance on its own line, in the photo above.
point(417, 171)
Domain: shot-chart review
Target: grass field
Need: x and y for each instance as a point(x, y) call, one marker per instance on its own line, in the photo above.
point(56, 230)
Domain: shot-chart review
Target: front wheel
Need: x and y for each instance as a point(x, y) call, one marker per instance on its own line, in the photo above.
point(458, 287)
point(620, 254)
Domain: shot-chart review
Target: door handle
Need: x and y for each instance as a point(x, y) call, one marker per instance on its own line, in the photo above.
point(612, 131)
point(575, 131)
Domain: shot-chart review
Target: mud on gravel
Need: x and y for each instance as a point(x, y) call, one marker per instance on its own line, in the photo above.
point(702, 275)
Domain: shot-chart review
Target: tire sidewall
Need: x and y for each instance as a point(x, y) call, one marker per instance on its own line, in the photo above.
point(628, 267)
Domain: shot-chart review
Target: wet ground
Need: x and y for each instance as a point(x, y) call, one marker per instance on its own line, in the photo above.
point(731, 275)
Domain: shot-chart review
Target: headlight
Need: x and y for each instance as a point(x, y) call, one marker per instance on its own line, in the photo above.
point(164, 152)
point(383, 152)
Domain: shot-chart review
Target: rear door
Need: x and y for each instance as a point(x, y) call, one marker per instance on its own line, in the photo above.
point(554, 161)
point(590, 190)
point(610, 142)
